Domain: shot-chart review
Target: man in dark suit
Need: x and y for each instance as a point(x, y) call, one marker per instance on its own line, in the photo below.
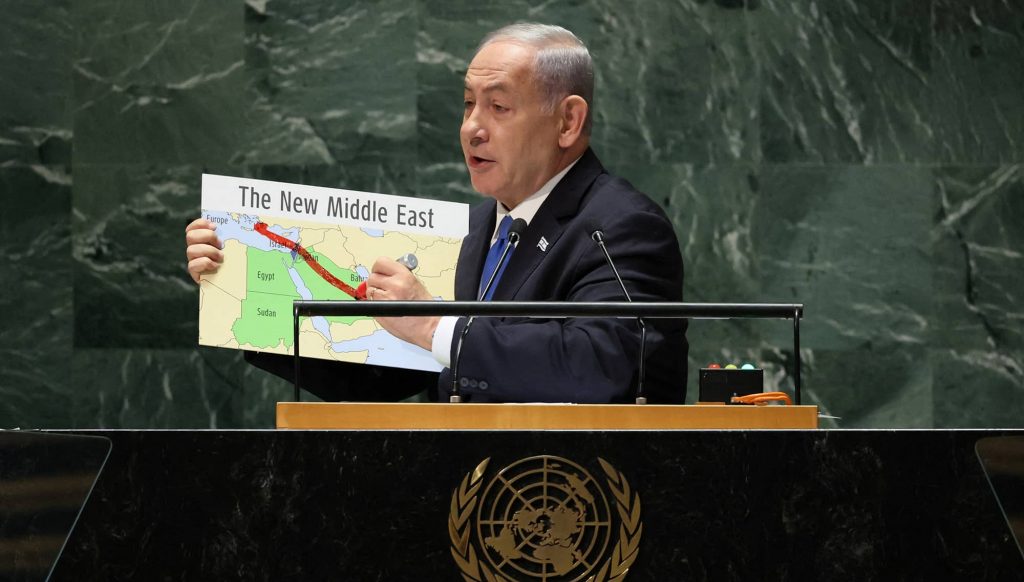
point(525, 136)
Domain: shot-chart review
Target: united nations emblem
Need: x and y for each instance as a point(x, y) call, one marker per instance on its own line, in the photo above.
point(544, 518)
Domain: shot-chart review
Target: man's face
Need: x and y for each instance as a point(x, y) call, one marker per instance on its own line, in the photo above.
point(509, 142)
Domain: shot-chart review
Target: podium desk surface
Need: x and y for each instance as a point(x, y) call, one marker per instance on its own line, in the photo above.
point(468, 416)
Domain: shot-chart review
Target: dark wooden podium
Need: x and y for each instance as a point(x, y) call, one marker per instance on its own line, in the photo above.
point(466, 416)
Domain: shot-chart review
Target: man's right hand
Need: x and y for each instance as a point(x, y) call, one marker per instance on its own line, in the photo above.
point(202, 248)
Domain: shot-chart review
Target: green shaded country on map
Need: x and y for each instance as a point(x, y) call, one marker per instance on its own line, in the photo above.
point(266, 319)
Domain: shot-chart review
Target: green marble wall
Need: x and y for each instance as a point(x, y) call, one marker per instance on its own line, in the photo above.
point(865, 158)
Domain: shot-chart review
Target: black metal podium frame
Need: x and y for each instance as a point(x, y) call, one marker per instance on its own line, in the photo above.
point(553, 310)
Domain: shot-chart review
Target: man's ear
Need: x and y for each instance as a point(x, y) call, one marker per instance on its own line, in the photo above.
point(572, 113)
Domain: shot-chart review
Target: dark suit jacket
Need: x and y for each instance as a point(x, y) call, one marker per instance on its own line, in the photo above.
point(586, 360)
point(581, 360)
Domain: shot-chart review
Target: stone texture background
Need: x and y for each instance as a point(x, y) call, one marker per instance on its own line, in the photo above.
point(864, 157)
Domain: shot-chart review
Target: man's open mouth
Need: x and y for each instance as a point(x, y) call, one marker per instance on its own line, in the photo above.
point(477, 161)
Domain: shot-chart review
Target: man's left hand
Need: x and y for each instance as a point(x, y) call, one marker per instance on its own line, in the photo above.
point(392, 281)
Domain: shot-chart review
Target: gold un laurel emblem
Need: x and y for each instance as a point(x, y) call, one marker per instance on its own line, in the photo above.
point(544, 518)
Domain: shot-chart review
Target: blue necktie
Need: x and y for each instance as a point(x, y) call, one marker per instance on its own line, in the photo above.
point(492, 258)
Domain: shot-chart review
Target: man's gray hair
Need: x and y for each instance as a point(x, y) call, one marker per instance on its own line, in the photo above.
point(562, 66)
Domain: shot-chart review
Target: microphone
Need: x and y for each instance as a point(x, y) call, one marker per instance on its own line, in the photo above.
point(515, 230)
point(598, 237)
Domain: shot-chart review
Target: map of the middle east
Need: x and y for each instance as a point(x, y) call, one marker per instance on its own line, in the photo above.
point(284, 242)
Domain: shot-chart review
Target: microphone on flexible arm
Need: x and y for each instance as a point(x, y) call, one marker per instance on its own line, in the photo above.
point(598, 237)
point(515, 230)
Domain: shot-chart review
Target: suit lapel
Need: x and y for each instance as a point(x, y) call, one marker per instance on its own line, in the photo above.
point(549, 223)
point(474, 250)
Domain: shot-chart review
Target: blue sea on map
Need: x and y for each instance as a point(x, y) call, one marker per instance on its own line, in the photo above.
point(243, 230)
point(386, 350)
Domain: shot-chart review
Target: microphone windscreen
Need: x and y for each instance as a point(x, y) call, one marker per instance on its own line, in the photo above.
point(518, 226)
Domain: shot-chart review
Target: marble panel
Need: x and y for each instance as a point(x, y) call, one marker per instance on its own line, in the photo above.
point(846, 81)
point(35, 122)
point(978, 387)
point(445, 40)
point(131, 284)
point(158, 81)
point(187, 388)
point(978, 265)
point(674, 81)
point(331, 83)
point(36, 389)
point(35, 257)
point(712, 209)
point(978, 81)
point(853, 244)
point(871, 387)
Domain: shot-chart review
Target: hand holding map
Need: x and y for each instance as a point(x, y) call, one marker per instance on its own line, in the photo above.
point(410, 262)
point(202, 248)
point(392, 281)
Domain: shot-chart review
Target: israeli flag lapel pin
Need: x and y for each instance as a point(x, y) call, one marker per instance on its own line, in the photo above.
point(542, 244)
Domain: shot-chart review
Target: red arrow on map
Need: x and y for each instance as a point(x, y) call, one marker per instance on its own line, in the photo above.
point(358, 294)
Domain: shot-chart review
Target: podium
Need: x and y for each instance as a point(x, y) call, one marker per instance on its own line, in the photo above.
point(468, 416)
point(378, 504)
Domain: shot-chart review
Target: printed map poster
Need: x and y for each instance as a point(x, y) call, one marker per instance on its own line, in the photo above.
point(284, 242)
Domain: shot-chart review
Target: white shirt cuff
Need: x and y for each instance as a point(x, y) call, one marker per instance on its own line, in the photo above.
point(441, 345)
